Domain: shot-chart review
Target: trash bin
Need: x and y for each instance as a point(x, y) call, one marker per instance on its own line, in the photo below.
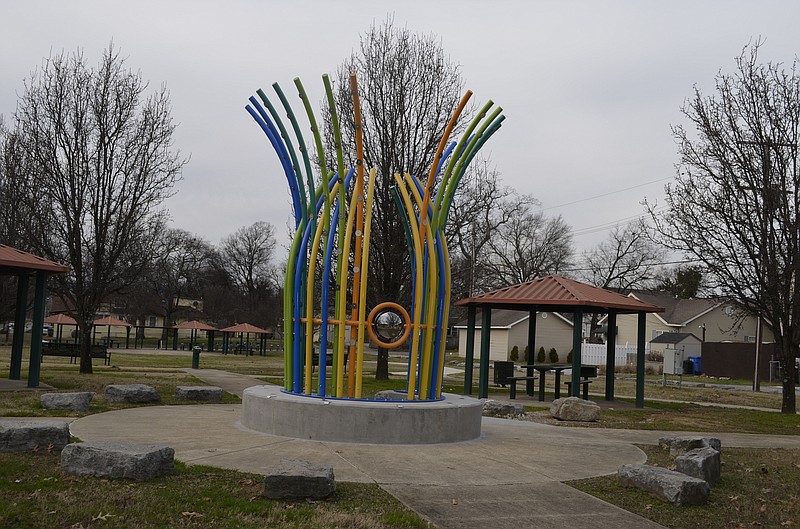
point(196, 357)
point(688, 367)
point(503, 370)
point(697, 364)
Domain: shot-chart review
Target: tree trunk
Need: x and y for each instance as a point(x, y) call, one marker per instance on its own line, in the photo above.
point(382, 372)
point(789, 401)
point(85, 333)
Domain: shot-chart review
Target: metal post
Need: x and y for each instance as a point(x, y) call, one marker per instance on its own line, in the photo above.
point(470, 352)
point(529, 384)
point(36, 331)
point(577, 338)
point(611, 354)
point(640, 358)
point(19, 328)
point(486, 330)
point(756, 381)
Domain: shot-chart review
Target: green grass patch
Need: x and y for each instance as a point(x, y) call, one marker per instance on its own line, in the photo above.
point(759, 488)
point(37, 494)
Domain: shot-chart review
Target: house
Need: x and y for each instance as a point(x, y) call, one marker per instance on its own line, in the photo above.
point(713, 320)
point(510, 328)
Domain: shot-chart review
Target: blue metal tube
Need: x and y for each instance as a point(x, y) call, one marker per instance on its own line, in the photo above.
point(266, 125)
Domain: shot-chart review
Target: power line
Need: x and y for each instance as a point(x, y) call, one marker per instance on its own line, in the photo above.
point(606, 194)
point(600, 227)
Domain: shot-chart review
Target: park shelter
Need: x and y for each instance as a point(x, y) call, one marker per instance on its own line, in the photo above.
point(555, 293)
point(108, 322)
point(23, 265)
point(243, 329)
point(60, 320)
point(194, 326)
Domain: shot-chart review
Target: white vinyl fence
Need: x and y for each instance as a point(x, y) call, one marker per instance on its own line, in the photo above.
point(595, 354)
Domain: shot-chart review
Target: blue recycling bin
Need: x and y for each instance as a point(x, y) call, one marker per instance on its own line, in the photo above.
point(697, 364)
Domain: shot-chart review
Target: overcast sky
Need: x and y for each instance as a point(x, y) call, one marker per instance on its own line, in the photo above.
point(589, 88)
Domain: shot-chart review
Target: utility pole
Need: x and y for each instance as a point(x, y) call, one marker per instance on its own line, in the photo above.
point(767, 197)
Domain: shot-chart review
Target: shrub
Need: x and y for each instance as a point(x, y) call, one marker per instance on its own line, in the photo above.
point(553, 355)
point(569, 357)
point(541, 356)
point(514, 355)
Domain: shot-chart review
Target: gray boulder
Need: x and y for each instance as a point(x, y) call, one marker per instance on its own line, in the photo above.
point(293, 479)
point(131, 393)
point(575, 409)
point(117, 460)
point(204, 393)
point(702, 463)
point(391, 394)
point(21, 436)
point(679, 445)
point(77, 401)
point(494, 408)
point(667, 485)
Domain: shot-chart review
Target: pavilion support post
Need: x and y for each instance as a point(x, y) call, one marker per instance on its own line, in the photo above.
point(470, 352)
point(611, 354)
point(15, 373)
point(486, 330)
point(640, 358)
point(36, 331)
point(174, 338)
point(529, 384)
point(128, 338)
point(210, 336)
point(577, 339)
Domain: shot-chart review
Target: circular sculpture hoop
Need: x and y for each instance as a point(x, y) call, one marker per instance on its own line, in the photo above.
point(379, 309)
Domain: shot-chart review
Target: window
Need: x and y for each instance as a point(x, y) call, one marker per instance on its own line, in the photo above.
point(657, 333)
point(749, 339)
point(151, 321)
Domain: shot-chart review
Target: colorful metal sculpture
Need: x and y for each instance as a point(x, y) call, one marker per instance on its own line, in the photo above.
point(333, 216)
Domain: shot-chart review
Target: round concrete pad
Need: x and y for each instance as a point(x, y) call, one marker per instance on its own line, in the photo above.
point(269, 410)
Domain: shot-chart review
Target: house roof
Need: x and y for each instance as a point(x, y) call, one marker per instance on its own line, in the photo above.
point(558, 294)
point(673, 337)
point(677, 311)
point(11, 258)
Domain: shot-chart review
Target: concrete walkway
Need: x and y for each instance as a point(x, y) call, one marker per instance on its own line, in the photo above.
point(508, 478)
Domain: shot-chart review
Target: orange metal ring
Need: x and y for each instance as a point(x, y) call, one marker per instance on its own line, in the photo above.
point(403, 314)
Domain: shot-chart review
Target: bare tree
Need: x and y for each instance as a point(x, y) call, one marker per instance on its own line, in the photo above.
point(734, 204)
point(481, 206)
point(176, 270)
point(101, 159)
point(248, 259)
point(528, 246)
point(408, 89)
point(627, 259)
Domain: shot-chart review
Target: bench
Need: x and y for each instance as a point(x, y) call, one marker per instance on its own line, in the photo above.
point(512, 381)
point(587, 372)
point(73, 351)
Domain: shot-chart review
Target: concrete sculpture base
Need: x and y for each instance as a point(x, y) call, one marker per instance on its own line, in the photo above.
point(269, 410)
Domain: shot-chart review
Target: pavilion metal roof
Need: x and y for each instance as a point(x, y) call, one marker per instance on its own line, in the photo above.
point(12, 258)
point(557, 293)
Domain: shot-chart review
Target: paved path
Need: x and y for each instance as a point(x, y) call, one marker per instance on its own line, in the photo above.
point(508, 478)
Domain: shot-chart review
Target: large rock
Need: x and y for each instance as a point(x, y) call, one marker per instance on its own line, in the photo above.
point(117, 460)
point(299, 479)
point(495, 408)
point(131, 393)
point(77, 401)
point(667, 485)
point(205, 393)
point(679, 445)
point(702, 463)
point(21, 436)
point(575, 409)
